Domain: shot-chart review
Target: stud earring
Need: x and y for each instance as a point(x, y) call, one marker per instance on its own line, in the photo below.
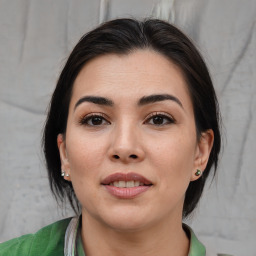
point(62, 173)
point(198, 172)
point(67, 175)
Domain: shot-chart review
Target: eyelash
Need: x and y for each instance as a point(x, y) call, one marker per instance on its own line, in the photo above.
point(86, 119)
point(169, 118)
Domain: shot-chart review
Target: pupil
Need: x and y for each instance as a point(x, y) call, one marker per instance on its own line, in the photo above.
point(96, 120)
point(158, 120)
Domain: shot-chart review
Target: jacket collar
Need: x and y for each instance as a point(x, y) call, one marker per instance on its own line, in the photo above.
point(73, 242)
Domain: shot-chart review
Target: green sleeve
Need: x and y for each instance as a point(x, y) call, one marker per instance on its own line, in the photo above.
point(48, 241)
point(17, 246)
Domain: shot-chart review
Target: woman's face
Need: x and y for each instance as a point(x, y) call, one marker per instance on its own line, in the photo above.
point(130, 146)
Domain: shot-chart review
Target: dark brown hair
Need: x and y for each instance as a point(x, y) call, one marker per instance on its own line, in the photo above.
point(122, 36)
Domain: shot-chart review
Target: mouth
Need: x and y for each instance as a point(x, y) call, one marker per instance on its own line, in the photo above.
point(126, 185)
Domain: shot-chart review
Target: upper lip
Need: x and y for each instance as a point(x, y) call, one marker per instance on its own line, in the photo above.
point(125, 177)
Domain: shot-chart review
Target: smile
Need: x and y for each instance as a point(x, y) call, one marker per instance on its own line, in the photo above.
point(126, 185)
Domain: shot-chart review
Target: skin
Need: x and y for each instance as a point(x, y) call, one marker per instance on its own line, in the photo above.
point(168, 154)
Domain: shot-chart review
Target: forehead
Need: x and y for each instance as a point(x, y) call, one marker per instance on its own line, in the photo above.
point(136, 74)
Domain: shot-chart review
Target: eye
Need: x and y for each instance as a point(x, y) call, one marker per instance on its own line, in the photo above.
point(159, 119)
point(94, 120)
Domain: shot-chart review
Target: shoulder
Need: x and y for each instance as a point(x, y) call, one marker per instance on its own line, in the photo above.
point(197, 247)
point(47, 241)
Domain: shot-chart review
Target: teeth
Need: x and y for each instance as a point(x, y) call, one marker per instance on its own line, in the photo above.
point(137, 183)
point(116, 184)
point(130, 184)
point(126, 184)
point(122, 184)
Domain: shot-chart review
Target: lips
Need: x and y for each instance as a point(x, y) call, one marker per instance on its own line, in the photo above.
point(126, 185)
point(126, 177)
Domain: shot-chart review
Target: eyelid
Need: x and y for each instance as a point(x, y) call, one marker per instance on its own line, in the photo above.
point(159, 113)
point(84, 118)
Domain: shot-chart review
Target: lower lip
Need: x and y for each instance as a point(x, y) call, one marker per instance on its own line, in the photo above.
point(126, 193)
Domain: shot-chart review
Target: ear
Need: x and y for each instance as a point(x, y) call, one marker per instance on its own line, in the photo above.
point(203, 151)
point(65, 167)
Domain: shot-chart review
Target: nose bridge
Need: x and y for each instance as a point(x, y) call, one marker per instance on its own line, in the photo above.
point(125, 135)
point(126, 144)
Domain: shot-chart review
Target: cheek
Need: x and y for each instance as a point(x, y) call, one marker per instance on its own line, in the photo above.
point(173, 157)
point(85, 156)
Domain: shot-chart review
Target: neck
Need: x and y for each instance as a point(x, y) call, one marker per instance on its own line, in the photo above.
point(161, 239)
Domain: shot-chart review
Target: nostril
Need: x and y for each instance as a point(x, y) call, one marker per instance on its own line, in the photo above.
point(131, 156)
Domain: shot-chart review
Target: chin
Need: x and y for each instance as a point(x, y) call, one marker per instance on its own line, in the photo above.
point(127, 220)
point(126, 226)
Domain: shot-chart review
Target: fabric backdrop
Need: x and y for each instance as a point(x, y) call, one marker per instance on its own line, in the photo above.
point(35, 39)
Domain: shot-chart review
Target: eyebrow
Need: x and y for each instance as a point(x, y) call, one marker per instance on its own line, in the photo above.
point(143, 101)
point(158, 97)
point(96, 100)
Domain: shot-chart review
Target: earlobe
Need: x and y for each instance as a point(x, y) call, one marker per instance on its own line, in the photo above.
point(203, 152)
point(65, 168)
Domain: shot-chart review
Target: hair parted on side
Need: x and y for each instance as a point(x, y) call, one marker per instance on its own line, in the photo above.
point(122, 36)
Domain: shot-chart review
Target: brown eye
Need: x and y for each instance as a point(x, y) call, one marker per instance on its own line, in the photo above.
point(157, 120)
point(94, 120)
point(160, 120)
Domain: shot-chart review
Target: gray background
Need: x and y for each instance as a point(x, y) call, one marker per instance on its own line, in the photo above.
point(35, 39)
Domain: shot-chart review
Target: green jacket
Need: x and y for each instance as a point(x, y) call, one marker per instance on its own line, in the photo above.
point(50, 241)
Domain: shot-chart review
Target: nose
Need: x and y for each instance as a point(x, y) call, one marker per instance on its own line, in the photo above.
point(126, 145)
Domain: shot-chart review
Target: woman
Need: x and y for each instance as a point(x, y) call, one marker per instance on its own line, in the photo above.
point(135, 117)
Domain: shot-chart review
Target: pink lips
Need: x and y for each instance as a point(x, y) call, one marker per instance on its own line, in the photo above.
point(126, 193)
